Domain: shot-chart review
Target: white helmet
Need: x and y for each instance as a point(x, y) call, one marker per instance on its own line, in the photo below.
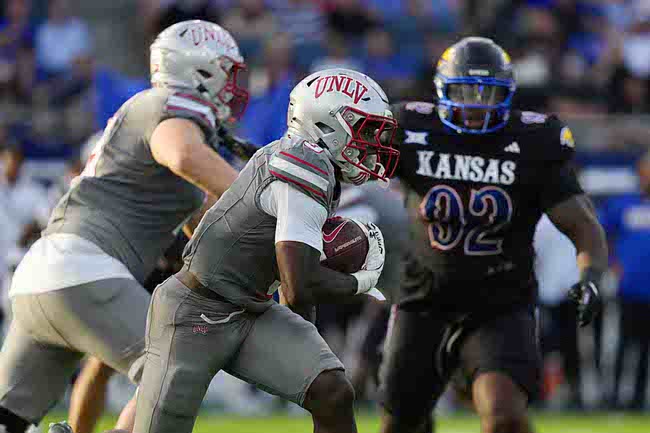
point(347, 114)
point(204, 57)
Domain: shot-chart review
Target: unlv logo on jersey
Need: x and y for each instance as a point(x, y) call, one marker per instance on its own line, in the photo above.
point(342, 84)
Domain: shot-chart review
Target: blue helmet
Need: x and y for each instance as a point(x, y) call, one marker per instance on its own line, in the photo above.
point(474, 86)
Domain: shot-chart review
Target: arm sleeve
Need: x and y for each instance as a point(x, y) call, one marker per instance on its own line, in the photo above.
point(306, 170)
point(560, 185)
point(560, 181)
point(191, 107)
point(299, 217)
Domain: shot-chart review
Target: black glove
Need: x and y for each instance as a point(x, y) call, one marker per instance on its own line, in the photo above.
point(586, 295)
point(237, 145)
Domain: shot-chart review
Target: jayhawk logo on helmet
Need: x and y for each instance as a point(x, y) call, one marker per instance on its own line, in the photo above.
point(446, 56)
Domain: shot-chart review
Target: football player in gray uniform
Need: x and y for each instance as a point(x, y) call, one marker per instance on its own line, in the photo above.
point(217, 313)
point(79, 288)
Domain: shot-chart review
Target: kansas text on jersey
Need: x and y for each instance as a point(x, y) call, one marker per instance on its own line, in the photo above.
point(474, 200)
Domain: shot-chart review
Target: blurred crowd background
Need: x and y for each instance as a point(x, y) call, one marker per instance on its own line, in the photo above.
point(66, 66)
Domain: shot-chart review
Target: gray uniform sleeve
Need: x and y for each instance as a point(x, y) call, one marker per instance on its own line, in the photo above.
point(191, 107)
point(306, 168)
point(153, 106)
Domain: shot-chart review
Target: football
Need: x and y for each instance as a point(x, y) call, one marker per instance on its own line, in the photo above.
point(345, 245)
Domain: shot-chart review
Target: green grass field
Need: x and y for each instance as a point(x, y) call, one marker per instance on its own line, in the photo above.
point(544, 423)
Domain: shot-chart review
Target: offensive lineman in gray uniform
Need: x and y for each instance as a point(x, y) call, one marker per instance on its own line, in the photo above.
point(79, 288)
point(218, 312)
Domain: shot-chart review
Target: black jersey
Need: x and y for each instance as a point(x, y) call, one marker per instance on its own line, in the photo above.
point(475, 200)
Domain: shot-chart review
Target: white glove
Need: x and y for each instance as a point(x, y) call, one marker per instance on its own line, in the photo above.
point(369, 274)
point(375, 293)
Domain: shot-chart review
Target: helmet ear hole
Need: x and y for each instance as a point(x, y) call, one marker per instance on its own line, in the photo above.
point(324, 128)
point(205, 74)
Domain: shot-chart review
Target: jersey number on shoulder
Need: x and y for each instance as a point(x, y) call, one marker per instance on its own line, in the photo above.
point(478, 226)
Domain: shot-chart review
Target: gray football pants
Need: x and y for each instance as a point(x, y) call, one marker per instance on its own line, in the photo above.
point(190, 338)
point(51, 331)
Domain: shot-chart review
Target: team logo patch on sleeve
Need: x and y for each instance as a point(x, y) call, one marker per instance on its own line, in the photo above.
point(416, 137)
point(531, 117)
point(566, 137)
point(420, 107)
point(301, 173)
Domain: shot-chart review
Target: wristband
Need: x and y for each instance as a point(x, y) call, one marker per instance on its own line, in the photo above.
point(366, 280)
point(375, 293)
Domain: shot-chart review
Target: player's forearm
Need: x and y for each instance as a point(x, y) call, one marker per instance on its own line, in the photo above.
point(305, 282)
point(591, 246)
point(207, 170)
point(179, 144)
point(576, 218)
point(590, 241)
point(323, 286)
point(329, 286)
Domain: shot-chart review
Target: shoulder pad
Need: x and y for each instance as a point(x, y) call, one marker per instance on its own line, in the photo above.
point(533, 118)
point(305, 167)
point(405, 110)
point(192, 107)
point(554, 137)
point(560, 139)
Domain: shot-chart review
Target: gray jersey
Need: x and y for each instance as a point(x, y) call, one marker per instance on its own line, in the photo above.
point(125, 202)
point(233, 249)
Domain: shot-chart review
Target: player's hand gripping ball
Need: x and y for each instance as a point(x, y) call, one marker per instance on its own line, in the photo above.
point(355, 248)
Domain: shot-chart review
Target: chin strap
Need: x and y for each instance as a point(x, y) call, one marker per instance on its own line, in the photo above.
point(380, 170)
point(383, 183)
point(360, 177)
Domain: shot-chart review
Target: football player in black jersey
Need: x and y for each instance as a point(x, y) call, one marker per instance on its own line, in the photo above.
point(478, 175)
